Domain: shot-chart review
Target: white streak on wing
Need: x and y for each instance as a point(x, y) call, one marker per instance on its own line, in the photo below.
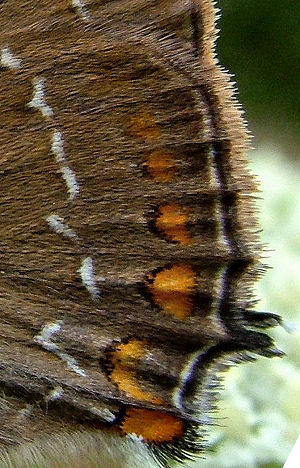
point(57, 147)
point(103, 413)
point(88, 277)
point(44, 339)
point(38, 100)
point(81, 8)
point(26, 411)
point(8, 60)
point(216, 178)
point(58, 225)
point(55, 394)
point(70, 179)
point(219, 287)
point(72, 363)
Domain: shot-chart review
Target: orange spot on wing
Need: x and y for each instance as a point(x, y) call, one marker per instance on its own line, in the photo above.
point(143, 125)
point(172, 290)
point(171, 222)
point(125, 361)
point(161, 165)
point(152, 425)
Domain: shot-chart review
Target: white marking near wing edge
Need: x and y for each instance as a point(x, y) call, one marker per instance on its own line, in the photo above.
point(185, 374)
point(45, 340)
point(88, 277)
point(38, 100)
point(81, 8)
point(8, 60)
point(26, 411)
point(70, 179)
point(60, 227)
point(103, 413)
point(54, 394)
point(57, 149)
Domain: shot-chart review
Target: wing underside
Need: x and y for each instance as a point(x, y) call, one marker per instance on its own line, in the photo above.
point(127, 233)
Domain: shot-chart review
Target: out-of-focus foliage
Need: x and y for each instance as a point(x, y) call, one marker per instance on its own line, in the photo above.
point(260, 412)
point(260, 44)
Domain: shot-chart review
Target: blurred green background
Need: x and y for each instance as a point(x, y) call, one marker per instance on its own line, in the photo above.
point(260, 45)
point(259, 418)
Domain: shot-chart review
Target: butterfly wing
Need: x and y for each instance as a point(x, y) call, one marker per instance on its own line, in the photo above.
point(128, 246)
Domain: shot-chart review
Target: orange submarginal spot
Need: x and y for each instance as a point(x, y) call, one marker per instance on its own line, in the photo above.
point(172, 289)
point(124, 361)
point(171, 223)
point(153, 426)
point(161, 165)
point(143, 125)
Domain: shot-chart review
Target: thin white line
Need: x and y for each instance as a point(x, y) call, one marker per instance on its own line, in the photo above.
point(38, 100)
point(57, 147)
point(219, 288)
point(71, 363)
point(70, 179)
point(60, 227)
point(8, 60)
point(103, 413)
point(44, 339)
point(81, 8)
point(88, 277)
point(54, 394)
point(184, 375)
point(215, 174)
point(26, 411)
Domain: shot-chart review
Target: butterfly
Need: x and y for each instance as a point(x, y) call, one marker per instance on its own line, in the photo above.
point(128, 238)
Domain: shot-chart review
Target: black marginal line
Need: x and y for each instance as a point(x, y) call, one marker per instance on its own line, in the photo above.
point(227, 350)
point(237, 266)
point(228, 203)
point(237, 247)
point(204, 360)
point(229, 215)
point(228, 207)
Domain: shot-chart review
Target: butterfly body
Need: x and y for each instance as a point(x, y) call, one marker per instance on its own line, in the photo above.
point(128, 245)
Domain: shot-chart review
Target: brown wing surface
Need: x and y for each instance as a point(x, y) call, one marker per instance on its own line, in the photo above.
point(128, 244)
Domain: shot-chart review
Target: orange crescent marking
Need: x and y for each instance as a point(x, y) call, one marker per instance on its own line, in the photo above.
point(143, 125)
point(125, 360)
point(172, 290)
point(161, 165)
point(171, 222)
point(152, 425)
